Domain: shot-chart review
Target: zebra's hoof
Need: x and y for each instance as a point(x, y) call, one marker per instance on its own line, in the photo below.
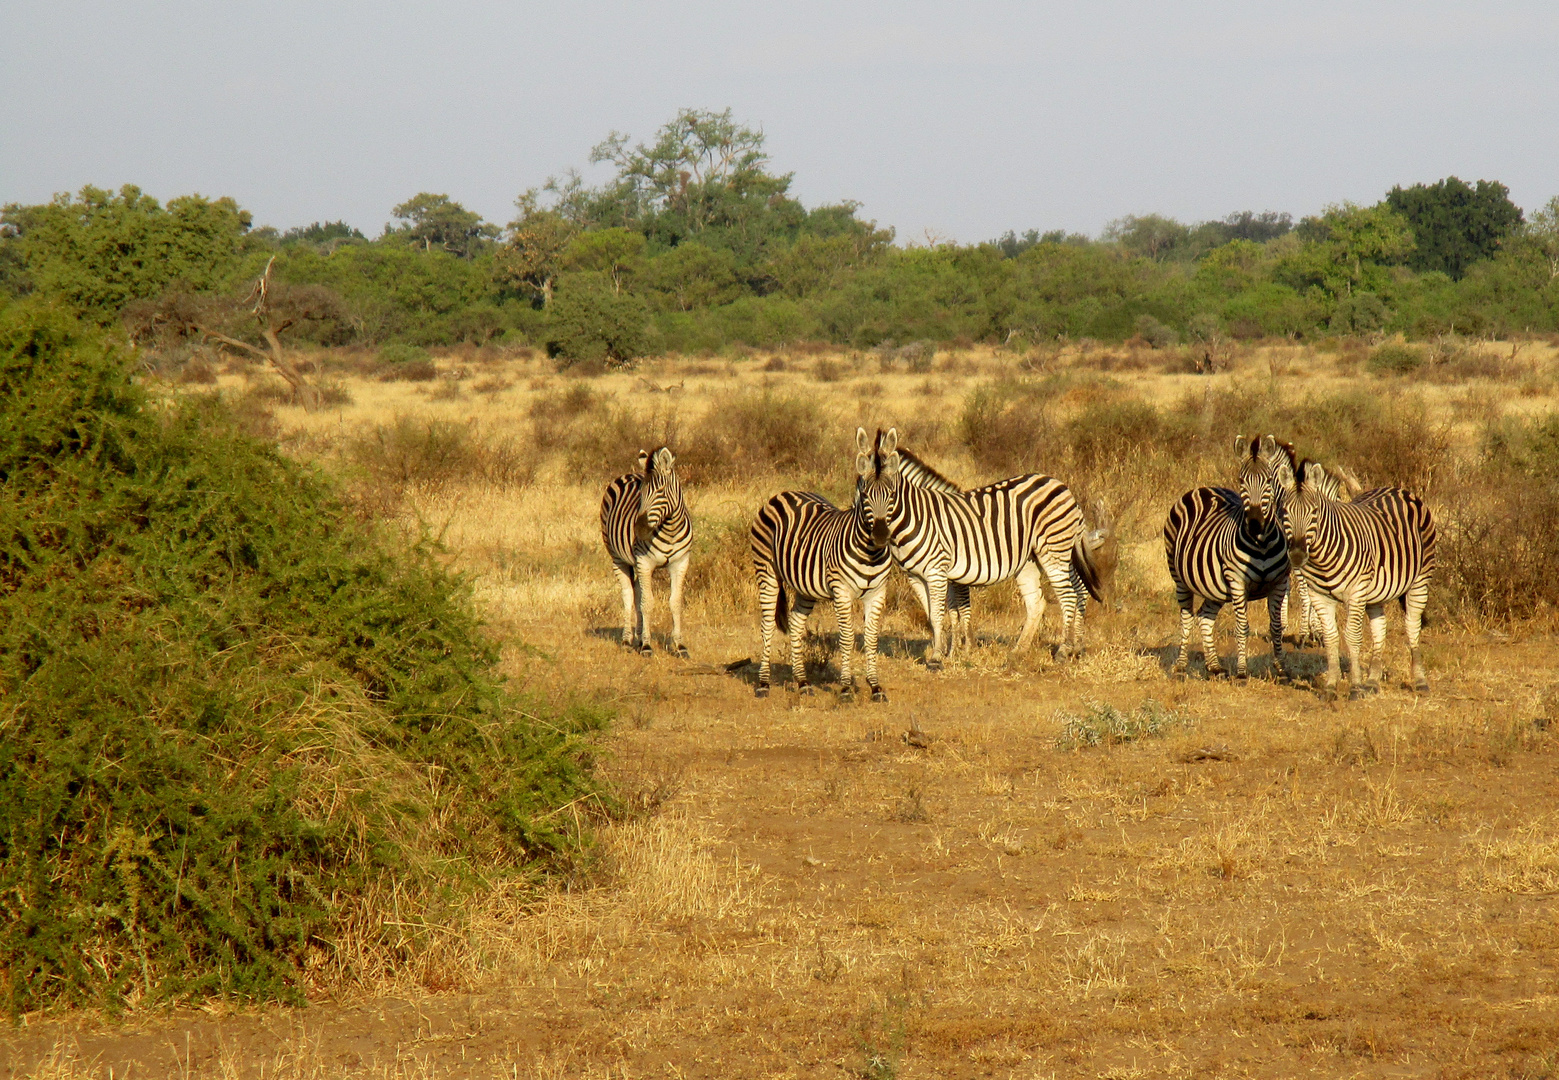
point(1360, 691)
point(847, 693)
point(682, 653)
point(805, 690)
point(761, 690)
point(1420, 685)
point(933, 664)
point(645, 650)
point(878, 695)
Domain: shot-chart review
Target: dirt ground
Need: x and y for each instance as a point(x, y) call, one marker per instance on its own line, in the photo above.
point(949, 885)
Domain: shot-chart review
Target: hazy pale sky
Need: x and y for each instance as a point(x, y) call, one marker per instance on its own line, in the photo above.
point(962, 119)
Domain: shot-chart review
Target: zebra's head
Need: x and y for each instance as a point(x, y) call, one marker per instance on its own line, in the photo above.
point(1258, 478)
point(1303, 495)
point(877, 484)
point(659, 494)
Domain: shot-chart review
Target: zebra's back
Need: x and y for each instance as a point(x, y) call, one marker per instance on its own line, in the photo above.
point(988, 533)
point(1205, 538)
point(619, 511)
point(801, 538)
point(1386, 535)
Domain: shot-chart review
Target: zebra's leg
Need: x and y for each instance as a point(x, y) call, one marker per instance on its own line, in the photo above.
point(1282, 615)
point(1277, 602)
point(1033, 594)
point(799, 610)
point(1353, 643)
point(936, 594)
point(1236, 585)
point(1413, 617)
point(646, 599)
point(873, 602)
point(959, 616)
point(1183, 600)
point(768, 606)
point(630, 591)
point(1326, 611)
point(1309, 618)
point(677, 568)
point(844, 614)
point(1060, 577)
point(918, 586)
point(1208, 618)
point(1376, 613)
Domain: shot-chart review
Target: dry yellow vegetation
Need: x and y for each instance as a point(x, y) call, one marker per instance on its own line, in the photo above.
point(1244, 880)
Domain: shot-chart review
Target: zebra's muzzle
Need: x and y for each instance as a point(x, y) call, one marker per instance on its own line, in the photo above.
point(1298, 555)
point(880, 533)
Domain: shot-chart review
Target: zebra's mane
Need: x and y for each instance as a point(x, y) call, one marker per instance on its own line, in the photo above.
point(917, 472)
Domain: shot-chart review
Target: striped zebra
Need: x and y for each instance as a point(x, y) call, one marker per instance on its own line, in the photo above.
point(1026, 527)
point(1379, 547)
point(645, 525)
point(1224, 549)
point(1261, 497)
point(805, 549)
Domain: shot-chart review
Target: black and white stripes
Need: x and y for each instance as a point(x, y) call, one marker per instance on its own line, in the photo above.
point(805, 549)
point(645, 525)
point(1026, 527)
point(1379, 547)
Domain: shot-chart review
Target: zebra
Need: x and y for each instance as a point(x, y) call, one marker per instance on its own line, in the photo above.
point(805, 549)
point(645, 524)
point(1260, 499)
point(1226, 548)
point(1361, 554)
point(1027, 527)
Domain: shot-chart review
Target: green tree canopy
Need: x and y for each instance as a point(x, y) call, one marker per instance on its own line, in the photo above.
point(439, 221)
point(100, 250)
point(1455, 224)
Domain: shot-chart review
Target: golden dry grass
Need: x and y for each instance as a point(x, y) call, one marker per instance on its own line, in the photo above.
point(1272, 886)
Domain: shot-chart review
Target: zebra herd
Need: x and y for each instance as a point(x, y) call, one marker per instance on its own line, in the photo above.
point(1289, 518)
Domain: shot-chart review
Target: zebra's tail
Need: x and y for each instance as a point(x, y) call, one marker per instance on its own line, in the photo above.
point(782, 612)
point(1095, 553)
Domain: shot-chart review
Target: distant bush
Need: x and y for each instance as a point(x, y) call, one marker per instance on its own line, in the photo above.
point(1155, 333)
point(428, 455)
point(1007, 429)
point(400, 353)
point(223, 700)
point(1395, 359)
point(760, 433)
point(591, 321)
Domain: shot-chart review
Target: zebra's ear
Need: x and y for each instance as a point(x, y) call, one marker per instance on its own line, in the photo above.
point(890, 442)
point(665, 460)
point(1268, 447)
point(1285, 476)
point(863, 442)
point(1315, 474)
point(644, 462)
point(863, 465)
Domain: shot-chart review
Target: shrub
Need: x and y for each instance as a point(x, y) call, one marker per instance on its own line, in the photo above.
point(1101, 724)
point(592, 322)
point(410, 371)
point(1007, 429)
point(271, 686)
point(1155, 333)
point(400, 353)
point(757, 433)
point(428, 455)
point(1394, 358)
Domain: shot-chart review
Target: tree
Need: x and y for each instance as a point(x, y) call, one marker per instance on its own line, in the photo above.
point(1152, 236)
point(325, 236)
point(533, 256)
point(617, 252)
point(1348, 243)
point(101, 250)
point(1541, 235)
point(592, 322)
point(1455, 224)
point(692, 275)
point(1246, 225)
point(437, 220)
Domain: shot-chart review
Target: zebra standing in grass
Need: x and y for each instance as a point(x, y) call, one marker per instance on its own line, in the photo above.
point(1025, 527)
point(1224, 548)
point(1261, 497)
point(645, 525)
point(805, 549)
point(1361, 554)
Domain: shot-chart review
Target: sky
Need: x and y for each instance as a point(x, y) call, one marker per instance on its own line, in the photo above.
point(945, 121)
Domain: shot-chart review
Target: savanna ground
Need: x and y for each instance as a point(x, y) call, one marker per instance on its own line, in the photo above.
point(1232, 880)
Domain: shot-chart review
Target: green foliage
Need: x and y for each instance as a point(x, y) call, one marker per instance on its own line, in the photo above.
point(99, 251)
point(437, 220)
point(593, 321)
point(222, 701)
point(1105, 725)
point(1455, 224)
point(1394, 358)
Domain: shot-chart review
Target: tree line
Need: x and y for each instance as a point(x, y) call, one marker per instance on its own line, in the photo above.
point(696, 242)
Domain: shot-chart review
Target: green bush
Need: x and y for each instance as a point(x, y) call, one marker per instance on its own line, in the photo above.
point(400, 353)
point(1394, 358)
point(591, 321)
point(230, 713)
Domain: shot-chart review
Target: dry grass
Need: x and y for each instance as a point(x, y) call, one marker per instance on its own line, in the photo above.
point(1235, 881)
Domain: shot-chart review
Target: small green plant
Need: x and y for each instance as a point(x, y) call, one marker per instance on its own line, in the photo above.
point(1101, 724)
point(1395, 358)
